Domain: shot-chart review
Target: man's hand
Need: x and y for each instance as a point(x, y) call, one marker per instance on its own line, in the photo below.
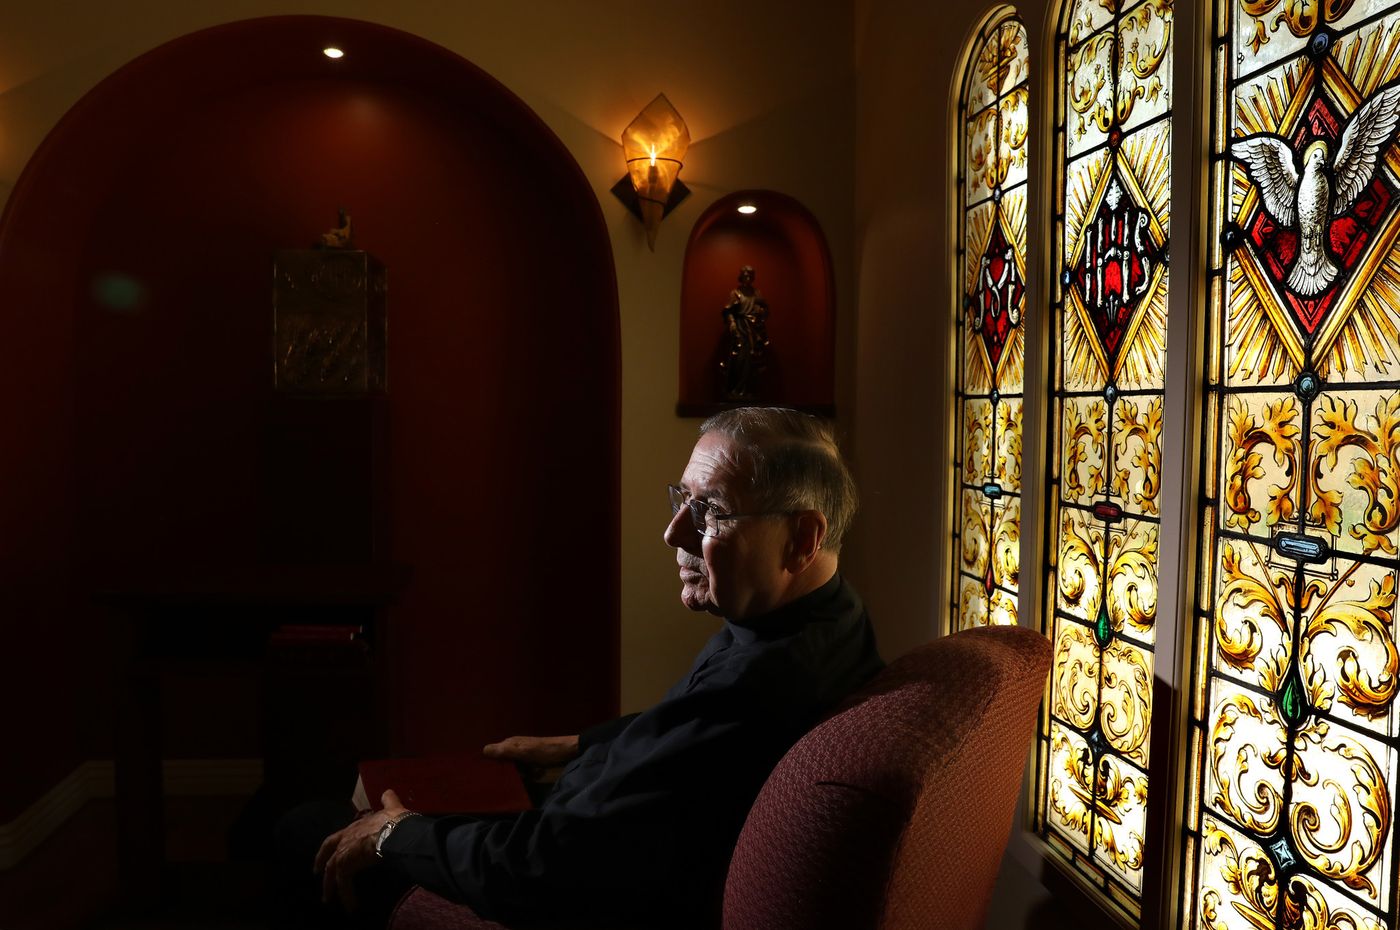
point(348, 852)
point(534, 752)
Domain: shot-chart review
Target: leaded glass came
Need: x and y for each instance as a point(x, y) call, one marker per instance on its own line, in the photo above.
point(1293, 726)
point(990, 341)
point(1108, 313)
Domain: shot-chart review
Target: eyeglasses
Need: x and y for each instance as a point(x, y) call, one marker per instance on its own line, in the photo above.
point(704, 516)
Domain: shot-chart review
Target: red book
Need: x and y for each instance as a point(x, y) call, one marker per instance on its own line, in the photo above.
point(454, 783)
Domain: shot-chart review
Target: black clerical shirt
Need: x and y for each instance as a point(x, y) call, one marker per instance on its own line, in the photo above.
point(641, 824)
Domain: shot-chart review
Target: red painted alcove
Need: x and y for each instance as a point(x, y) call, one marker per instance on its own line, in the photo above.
point(136, 417)
point(792, 264)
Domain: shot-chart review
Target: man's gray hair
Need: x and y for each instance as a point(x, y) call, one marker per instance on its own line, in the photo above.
point(794, 464)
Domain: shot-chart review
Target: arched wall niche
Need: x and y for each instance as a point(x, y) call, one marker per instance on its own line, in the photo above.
point(784, 243)
point(137, 417)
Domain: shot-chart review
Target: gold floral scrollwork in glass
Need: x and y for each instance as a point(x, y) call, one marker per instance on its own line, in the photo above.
point(1002, 62)
point(984, 161)
point(972, 605)
point(1374, 450)
point(1084, 435)
point(1140, 445)
point(1132, 572)
point(990, 553)
point(1105, 99)
point(1248, 882)
point(1090, 89)
point(1353, 641)
point(1008, 467)
point(1276, 427)
point(1247, 754)
point(1341, 807)
point(1245, 601)
point(1088, 16)
point(1120, 800)
point(1249, 879)
point(1070, 780)
point(1076, 672)
point(976, 536)
point(1012, 154)
point(1006, 550)
point(1127, 700)
point(1300, 16)
point(1147, 36)
point(1080, 574)
point(1128, 565)
point(1106, 794)
point(977, 439)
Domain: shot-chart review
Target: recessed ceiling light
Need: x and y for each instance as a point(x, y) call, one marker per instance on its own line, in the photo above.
point(747, 208)
point(331, 51)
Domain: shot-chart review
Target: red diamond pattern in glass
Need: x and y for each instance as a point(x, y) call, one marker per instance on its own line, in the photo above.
point(1115, 268)
point(996, 303)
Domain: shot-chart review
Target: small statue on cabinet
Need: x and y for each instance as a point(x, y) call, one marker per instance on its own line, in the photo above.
point(746, 318)
point(338, 238)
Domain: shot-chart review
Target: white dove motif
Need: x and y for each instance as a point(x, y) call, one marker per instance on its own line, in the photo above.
point(1310, 201)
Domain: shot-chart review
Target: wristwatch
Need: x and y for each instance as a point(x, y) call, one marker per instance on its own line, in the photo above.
point(388, 828)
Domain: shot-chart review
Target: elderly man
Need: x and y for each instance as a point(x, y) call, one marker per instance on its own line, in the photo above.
point(640, 825)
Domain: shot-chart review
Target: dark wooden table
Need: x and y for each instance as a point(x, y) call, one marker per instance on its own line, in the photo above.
point(209, 618)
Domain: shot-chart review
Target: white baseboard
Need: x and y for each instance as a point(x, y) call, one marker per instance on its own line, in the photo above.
point(95, 779)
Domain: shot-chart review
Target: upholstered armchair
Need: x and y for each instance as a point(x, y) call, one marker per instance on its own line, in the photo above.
point(893, 813)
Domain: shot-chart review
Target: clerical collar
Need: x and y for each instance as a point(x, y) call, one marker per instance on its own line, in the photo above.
point(788, 618)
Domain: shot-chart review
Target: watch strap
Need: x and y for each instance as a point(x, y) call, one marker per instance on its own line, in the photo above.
point(388, 828)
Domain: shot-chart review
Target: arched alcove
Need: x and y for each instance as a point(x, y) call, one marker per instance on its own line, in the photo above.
point(135, 264)
point(782, 241)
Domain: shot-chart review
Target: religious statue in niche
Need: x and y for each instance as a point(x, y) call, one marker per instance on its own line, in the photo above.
point(339, 237)
point(746, 321)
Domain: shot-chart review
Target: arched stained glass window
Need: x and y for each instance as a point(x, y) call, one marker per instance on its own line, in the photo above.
point(1108, 312)
point(1289, 818)
point(990, 343)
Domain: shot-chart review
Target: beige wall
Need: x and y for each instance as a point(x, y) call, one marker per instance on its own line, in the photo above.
point(768, 92)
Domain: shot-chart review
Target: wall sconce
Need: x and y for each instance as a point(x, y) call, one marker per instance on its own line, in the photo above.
point(654, 145)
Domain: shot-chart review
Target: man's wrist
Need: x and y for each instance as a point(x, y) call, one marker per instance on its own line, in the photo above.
point(388, 828)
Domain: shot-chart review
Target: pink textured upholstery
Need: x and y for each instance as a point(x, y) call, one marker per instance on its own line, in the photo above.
point(892, 814)
point(420, 909)
point(895, 812)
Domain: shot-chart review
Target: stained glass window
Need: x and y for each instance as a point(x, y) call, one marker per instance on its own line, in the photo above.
point(990, 341)
point(1293, 725)
point(1109, 311)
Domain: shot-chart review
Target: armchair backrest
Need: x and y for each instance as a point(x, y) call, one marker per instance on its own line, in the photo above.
point(894, 813)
